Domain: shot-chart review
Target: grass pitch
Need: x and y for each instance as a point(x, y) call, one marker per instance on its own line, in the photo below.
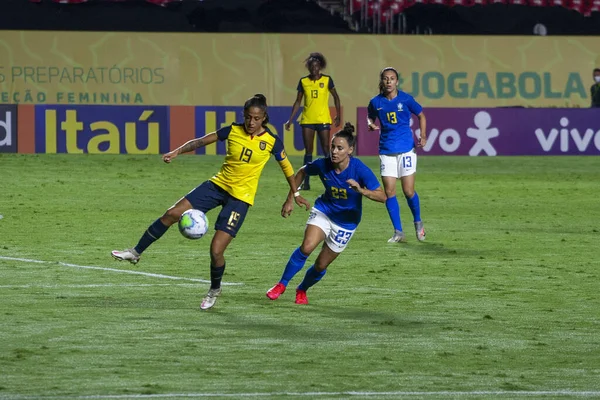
point(500, 301)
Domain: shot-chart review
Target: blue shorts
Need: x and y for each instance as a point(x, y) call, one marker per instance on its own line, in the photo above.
point(208, 196)
point(317, 127)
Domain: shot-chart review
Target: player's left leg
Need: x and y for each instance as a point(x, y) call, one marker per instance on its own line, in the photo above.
point(315, 273)
point(154, 232)
point(335, 242)
point(318, 227)
point(308, 137)
point(313, 235)
point(388, 164)
point(204, 197)
point(324, 139)
point(409, 168)
point(393, 208)
point(228, 224)
point(218, 246)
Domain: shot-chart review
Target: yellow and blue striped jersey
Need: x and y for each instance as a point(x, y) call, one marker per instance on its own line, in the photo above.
point(245, 160)
point(316, 99)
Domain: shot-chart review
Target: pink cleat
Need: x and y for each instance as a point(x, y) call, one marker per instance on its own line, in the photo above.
point(301, 297)
point(276, 291)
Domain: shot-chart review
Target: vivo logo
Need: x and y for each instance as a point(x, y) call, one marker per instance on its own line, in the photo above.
point(567, 137)
point(449, 139)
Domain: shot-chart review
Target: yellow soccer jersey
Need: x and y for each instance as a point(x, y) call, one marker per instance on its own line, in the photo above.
point(246, 157)
point(316, 100)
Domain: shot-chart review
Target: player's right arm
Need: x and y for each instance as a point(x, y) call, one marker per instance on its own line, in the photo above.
point(295, 108)
point(371, 116)
point(294, 194)
point(194, 144)
point(191, 145)
point(312, 169)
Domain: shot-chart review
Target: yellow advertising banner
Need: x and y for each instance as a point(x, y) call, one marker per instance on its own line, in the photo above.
point(226, 69)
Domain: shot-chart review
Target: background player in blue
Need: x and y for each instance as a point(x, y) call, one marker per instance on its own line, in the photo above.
point(335, 215)
point(398, 159)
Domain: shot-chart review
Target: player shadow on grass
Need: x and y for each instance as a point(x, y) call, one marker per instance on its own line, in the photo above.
point(369, 316)
point(440, 249)
point(299, 327)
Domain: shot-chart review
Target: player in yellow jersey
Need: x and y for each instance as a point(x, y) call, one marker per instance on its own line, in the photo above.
point(315, 89)
point(249, 147)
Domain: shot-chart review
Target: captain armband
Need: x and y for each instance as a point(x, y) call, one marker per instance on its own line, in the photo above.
point(287, 168)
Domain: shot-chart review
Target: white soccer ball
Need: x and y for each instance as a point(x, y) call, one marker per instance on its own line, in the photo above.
point(193, 224)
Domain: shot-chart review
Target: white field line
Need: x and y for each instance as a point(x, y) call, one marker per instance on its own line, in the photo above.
point(97, 285)
point(515, 393)
point(123, 271)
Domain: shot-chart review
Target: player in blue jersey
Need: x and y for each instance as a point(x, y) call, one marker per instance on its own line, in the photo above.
point(398, 159)
point(336, 213)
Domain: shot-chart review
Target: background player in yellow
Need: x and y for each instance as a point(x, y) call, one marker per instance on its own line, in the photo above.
point(249, 147)
point(315, 89)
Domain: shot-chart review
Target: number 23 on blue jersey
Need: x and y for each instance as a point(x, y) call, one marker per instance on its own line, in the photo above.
point(339, 193)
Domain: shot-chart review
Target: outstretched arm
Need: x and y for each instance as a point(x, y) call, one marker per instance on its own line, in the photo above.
point(190, 146)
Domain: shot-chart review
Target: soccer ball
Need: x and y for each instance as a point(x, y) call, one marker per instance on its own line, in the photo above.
point(193, 224)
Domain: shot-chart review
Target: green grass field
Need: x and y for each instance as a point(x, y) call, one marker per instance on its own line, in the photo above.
point(501, 301)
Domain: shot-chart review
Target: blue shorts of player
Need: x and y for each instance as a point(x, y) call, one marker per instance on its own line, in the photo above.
point(317, 127)
point(208, 196)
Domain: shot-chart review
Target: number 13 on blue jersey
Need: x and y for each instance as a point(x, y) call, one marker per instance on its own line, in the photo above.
point(391, 117)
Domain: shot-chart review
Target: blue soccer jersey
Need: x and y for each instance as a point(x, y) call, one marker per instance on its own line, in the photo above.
point(394, 119)
point(340, 202)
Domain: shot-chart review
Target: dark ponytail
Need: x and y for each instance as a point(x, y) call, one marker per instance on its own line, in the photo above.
point(381, 86)
point(259, 101)
point(347, 133)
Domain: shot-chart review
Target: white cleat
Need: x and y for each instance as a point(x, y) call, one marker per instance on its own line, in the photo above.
point(399, 237)
point(126, 255)
point(210, 299)
point(420, 231)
